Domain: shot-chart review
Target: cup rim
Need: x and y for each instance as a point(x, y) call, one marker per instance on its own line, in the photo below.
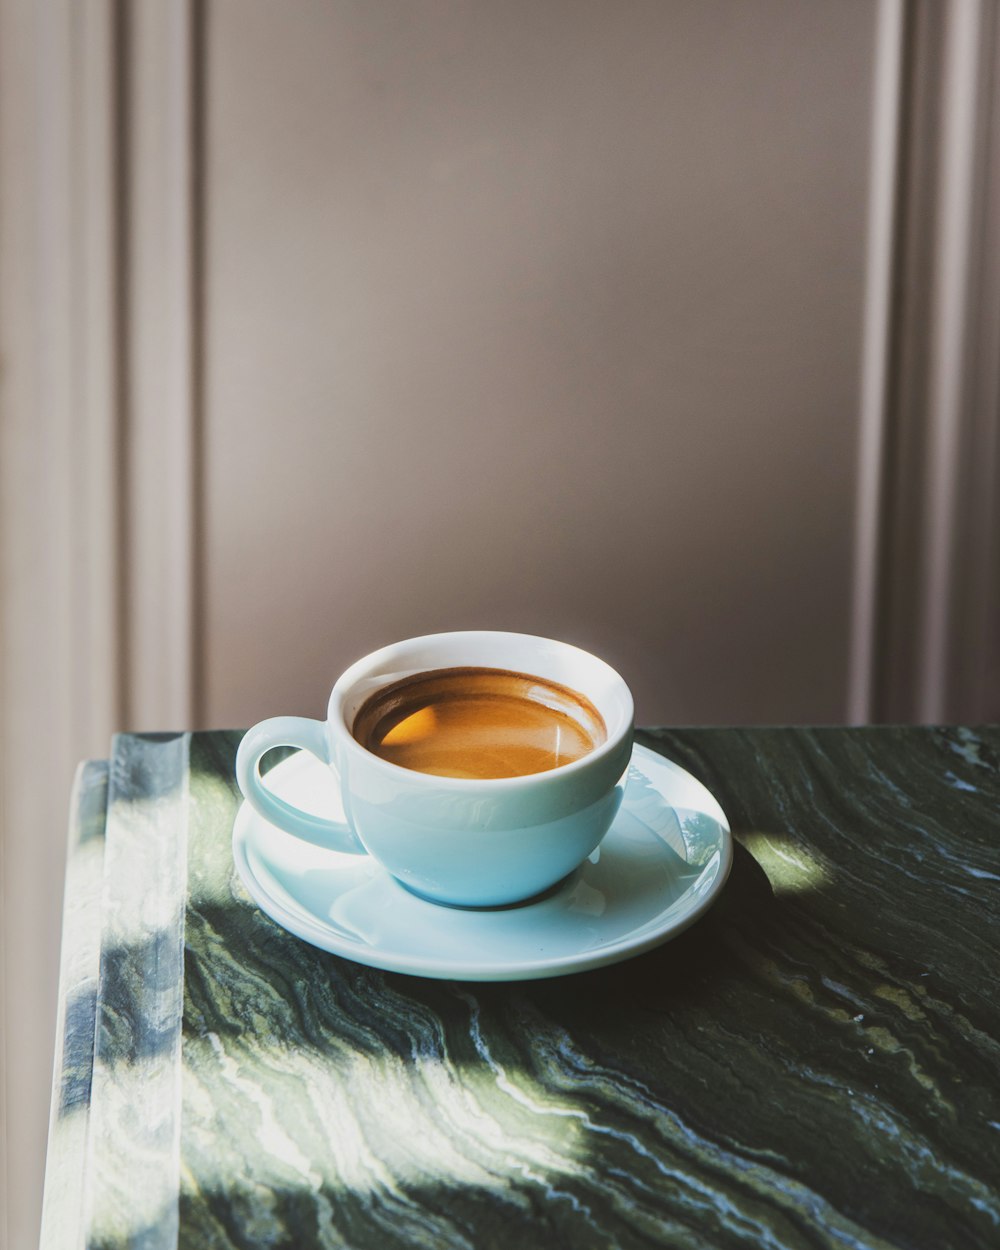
point(347, 680)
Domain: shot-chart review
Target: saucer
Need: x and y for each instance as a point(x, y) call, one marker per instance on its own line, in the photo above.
point(659, 867)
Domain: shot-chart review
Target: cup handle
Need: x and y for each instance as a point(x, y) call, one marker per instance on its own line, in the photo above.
point(309, 735)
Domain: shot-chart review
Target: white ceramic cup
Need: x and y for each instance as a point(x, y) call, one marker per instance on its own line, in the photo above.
point(465, 842)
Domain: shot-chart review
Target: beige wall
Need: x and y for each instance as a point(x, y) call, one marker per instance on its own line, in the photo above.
point(539, 316)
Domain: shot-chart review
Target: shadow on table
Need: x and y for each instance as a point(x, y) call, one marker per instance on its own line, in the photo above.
point(681, 970)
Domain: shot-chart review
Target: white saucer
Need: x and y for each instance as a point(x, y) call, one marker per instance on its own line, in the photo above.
point(658, 869)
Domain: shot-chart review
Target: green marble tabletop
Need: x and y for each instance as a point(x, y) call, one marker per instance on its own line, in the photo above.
point(815, 1063)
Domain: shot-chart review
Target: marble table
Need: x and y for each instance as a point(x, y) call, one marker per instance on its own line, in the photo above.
point(815, 1063)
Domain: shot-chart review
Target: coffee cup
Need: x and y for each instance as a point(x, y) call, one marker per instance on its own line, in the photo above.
point(408, 735)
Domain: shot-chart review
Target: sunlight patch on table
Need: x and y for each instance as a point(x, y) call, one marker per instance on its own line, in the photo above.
point(788, 866)
point(374, 1124)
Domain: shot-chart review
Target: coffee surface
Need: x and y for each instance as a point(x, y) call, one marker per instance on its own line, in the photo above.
point(479, 723)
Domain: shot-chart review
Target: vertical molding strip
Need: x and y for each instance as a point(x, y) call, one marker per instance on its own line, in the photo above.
point(58, 532)
point(162, 384)
point(96, 431)
point(882, 209)
point(958, 181)
point(927, 587)
point(980, 678)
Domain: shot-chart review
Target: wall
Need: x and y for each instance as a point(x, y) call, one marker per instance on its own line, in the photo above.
point(668, 328)
point(545, 317)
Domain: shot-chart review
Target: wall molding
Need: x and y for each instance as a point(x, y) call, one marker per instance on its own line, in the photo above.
point(99, 383)
point(60, 470)
point(162, 365)
point(958, 421)
point(96, 346)
point(975, 669)
point(924, 637)
point(883, 207)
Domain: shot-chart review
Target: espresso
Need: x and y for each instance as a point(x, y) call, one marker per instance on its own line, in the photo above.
point(478, 722)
